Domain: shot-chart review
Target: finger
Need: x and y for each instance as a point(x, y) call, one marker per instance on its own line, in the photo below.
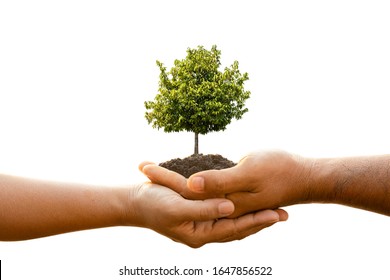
point(283, 215)
point(165, 177)
point(225, 230)
point(223, 181)
point(247, 232)
point(249, 224)
point(204, 210)
point(143, 164)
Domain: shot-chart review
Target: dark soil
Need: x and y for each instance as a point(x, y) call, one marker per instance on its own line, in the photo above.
point(195, 163)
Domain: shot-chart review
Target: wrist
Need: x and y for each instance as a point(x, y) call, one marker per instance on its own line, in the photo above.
point(115, 207)
point(131, 206)
point(321, 175)
point(298, 181)
point(127, 196)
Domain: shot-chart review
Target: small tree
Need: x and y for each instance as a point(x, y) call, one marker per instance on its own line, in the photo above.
point(195, 96)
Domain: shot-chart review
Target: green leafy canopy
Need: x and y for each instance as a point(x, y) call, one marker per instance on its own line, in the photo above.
point(196, 96)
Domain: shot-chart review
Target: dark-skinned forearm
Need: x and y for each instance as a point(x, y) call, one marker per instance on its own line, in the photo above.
point(360, 182)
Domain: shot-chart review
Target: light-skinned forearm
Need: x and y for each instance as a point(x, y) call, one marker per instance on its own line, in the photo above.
point(34, 208)
point(360, 182)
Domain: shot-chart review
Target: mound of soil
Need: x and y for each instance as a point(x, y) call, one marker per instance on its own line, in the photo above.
point(195, 163)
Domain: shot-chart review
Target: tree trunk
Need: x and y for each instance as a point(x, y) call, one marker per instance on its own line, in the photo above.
point(196, 150)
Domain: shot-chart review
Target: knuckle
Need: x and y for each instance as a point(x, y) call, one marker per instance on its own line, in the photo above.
point(220, 184)
point(204, 213)
point(194, 243)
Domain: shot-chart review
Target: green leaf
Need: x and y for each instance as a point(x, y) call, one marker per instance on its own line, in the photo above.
point(194, 95)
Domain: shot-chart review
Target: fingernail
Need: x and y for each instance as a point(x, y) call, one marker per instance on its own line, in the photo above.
point(225, 208)
point(197, 184)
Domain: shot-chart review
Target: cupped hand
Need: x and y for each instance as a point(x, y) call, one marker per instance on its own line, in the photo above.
point(192, 222)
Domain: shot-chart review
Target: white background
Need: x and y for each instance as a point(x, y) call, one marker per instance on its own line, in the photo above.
point(73, 79)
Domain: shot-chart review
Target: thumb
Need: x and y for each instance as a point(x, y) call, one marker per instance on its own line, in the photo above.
point(218, 181)
point(204, 210)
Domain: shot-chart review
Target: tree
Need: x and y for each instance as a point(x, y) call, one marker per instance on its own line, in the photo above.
point(195, 96)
